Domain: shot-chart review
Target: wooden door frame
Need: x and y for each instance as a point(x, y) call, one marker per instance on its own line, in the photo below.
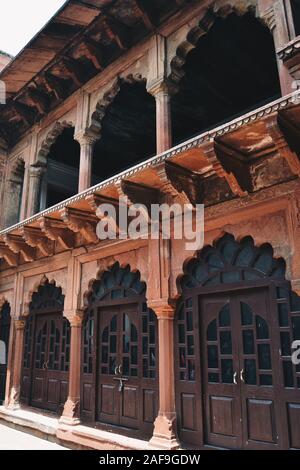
point(134, 301)
point(270, 284)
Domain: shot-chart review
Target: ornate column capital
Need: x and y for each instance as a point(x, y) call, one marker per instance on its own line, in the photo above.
point(86, 137)
point(161, 87)
point(36, 171)
point(164, 310)
point(75, 317)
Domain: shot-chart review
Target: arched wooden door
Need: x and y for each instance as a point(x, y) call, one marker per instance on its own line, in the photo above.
point(119, 375)
point(236, 384)
point(4, 339)
point(46, 356)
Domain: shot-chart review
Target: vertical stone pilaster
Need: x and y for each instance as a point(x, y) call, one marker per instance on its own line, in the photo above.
point(36, 174)
point(14, 400)
point(87, 143)
point(71, 413)
point(161, 93)
point(165, 426)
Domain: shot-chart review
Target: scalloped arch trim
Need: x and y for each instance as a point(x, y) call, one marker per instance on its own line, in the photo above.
point(116, 283)
point(230, 261)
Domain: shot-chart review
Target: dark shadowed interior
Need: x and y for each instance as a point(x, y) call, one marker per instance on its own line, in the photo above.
point(232, 69)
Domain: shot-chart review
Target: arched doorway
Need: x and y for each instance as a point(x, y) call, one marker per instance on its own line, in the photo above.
point(119, 382)
point(46, 355)
point(4, 340)
point(236, 385)
point(228, 71)
point(128, 124)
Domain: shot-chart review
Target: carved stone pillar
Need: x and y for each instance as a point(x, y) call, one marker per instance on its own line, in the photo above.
point(165, 428)
point(87, 143)
point(23, 208)
point(36, 174)
point(274, 15)
point(161, 93)
point(71, 413)
point(19, 327)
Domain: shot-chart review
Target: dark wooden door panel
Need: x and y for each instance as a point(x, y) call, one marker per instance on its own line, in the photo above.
point(223, 425)
point(293, 418)
point(261, 422)
point(4, 339)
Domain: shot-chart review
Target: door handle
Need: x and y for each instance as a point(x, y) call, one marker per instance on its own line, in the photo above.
point(45, 365)
point(116, 370)
point(242, 376)
point(121, 382)
point(234, 378)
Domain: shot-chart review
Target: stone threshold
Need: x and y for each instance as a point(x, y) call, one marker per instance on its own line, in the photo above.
point(47, 427)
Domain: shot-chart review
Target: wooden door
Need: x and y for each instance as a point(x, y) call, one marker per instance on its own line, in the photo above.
point(240, 386)
point(51, 362)
point(119, 367)
point(222, 397)
point(4, 339)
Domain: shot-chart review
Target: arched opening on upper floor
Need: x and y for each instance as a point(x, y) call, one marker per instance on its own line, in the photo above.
point(128, 130)
point(227, 72)
point(61, 178)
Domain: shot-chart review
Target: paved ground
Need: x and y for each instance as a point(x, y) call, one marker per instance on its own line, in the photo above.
point(10, 439)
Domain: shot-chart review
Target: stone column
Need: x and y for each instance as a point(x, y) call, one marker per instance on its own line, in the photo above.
point(19, 326)
point(35, 179)
point(274, 15)
point(71, 413)
point(165, 426)
point(23, 208)
point(87, 143)
point(161, 93)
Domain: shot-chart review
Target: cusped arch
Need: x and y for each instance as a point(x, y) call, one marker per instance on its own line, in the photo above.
point(221, 9)
point(230, 261)
point(51, 137)
point(106, 99)
point(116, 282)
point(51, 291)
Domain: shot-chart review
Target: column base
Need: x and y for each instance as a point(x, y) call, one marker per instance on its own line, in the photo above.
point(70, 414)
point(165, 435)
point(14, 400)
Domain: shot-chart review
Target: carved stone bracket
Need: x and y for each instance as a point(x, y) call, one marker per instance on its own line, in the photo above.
point(17, 245)
point(82, 222)
point(56, 230)
point(281, 144)
point(35, 238)
point(212, 151)
point(8, 255)
point(186, 181)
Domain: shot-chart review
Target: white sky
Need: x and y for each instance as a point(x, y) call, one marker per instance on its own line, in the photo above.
point(22, 19)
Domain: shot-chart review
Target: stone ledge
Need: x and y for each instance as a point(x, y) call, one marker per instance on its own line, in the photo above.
point(48, 428)
point(98, 439)
point(40, 423)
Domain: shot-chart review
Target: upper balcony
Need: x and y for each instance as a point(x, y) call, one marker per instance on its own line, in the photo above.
point(236, 160)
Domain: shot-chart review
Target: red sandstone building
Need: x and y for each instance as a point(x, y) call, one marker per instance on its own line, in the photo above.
point(161, 101)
